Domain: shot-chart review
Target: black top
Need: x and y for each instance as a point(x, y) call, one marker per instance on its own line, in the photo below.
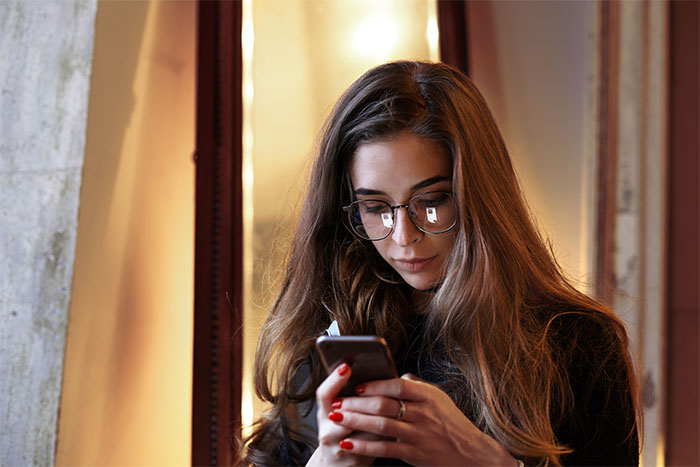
point(599, 427)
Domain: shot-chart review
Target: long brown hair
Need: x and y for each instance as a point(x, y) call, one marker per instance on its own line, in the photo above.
point(502, 292)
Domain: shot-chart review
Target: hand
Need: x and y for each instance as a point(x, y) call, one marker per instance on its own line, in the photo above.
point(330, 434)
point(432, 431)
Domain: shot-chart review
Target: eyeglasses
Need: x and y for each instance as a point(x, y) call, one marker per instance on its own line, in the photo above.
point(434, 212)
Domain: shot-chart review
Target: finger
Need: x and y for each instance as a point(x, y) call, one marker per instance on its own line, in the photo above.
point(330, 433)
point(379, 448)
point(383, 426)
point(412, 377)
point(371, 405)
point(397, 388)
point(383, 407)
point(328, 390)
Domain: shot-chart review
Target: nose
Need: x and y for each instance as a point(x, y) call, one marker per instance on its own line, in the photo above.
point(405, 232)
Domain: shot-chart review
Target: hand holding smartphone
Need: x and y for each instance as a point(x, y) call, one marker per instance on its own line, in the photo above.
point(368, 356)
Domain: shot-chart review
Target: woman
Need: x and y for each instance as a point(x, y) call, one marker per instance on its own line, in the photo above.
point(414, 229)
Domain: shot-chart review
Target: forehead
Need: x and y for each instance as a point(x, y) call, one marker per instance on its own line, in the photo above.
point(404, 160)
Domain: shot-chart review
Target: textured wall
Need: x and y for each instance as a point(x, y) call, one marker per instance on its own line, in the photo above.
point(45, 76)
point(640, 202)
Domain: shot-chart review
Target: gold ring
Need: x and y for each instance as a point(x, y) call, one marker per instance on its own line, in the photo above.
point(402, 409)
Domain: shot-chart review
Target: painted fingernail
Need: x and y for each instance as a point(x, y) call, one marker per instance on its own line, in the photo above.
point(360, 389)
point(338, 403)
point(343, 368)
point(347, 445)
point(336, 416)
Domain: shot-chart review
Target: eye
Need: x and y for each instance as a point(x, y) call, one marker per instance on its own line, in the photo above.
point(374, 207)
point(432, 200)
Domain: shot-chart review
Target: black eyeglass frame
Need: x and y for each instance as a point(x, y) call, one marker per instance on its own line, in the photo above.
point(350, 206)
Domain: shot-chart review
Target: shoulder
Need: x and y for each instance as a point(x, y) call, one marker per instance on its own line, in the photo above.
point(587, 334)
point(576, 321)
point(599, 424)
point(592, 349)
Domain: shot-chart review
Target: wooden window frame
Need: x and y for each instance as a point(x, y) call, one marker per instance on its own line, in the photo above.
point(218, 304)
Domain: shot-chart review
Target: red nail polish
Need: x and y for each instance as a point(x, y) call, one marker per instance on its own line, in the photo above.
point(343, 368)
point(360, 389)
point(338, 403)
point(336, 416)
point(347, 445)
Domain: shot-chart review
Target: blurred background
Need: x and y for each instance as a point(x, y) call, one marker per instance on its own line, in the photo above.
point(102, 149)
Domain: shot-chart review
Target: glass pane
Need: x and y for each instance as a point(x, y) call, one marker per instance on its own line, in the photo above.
point(305, 53)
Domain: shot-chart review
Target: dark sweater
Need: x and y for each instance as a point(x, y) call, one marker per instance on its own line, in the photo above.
point(599, 427)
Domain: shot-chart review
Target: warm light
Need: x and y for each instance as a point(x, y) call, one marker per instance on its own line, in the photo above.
point(247, 44)
point(376, 37)
point(660, 452)
point(433, 33)
point(248, 92)
point(247, 414)
point(247, 34)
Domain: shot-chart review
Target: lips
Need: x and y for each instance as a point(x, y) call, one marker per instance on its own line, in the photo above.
point(414, 264)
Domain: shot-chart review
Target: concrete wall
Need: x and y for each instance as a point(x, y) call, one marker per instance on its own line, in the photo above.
point(44, 74)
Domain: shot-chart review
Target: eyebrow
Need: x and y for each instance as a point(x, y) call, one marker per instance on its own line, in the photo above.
point(417, 186)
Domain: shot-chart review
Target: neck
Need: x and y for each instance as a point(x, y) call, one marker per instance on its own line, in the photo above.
point(421, 299)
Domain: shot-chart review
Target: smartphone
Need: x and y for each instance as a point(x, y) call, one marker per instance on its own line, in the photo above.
point(368, 356)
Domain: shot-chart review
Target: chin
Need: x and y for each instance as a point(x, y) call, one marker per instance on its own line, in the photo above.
point(422, 283)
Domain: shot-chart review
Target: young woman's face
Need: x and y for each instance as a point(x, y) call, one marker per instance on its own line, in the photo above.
point(394, 171)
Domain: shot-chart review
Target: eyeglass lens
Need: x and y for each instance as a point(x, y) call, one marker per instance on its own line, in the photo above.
point(433, 212)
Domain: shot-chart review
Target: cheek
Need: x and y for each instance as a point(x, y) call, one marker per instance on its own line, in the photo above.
point(445, 243)
point(445, 247)
point(381, 247)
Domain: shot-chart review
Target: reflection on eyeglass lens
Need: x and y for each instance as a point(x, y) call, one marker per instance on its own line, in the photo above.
point(433, 212)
